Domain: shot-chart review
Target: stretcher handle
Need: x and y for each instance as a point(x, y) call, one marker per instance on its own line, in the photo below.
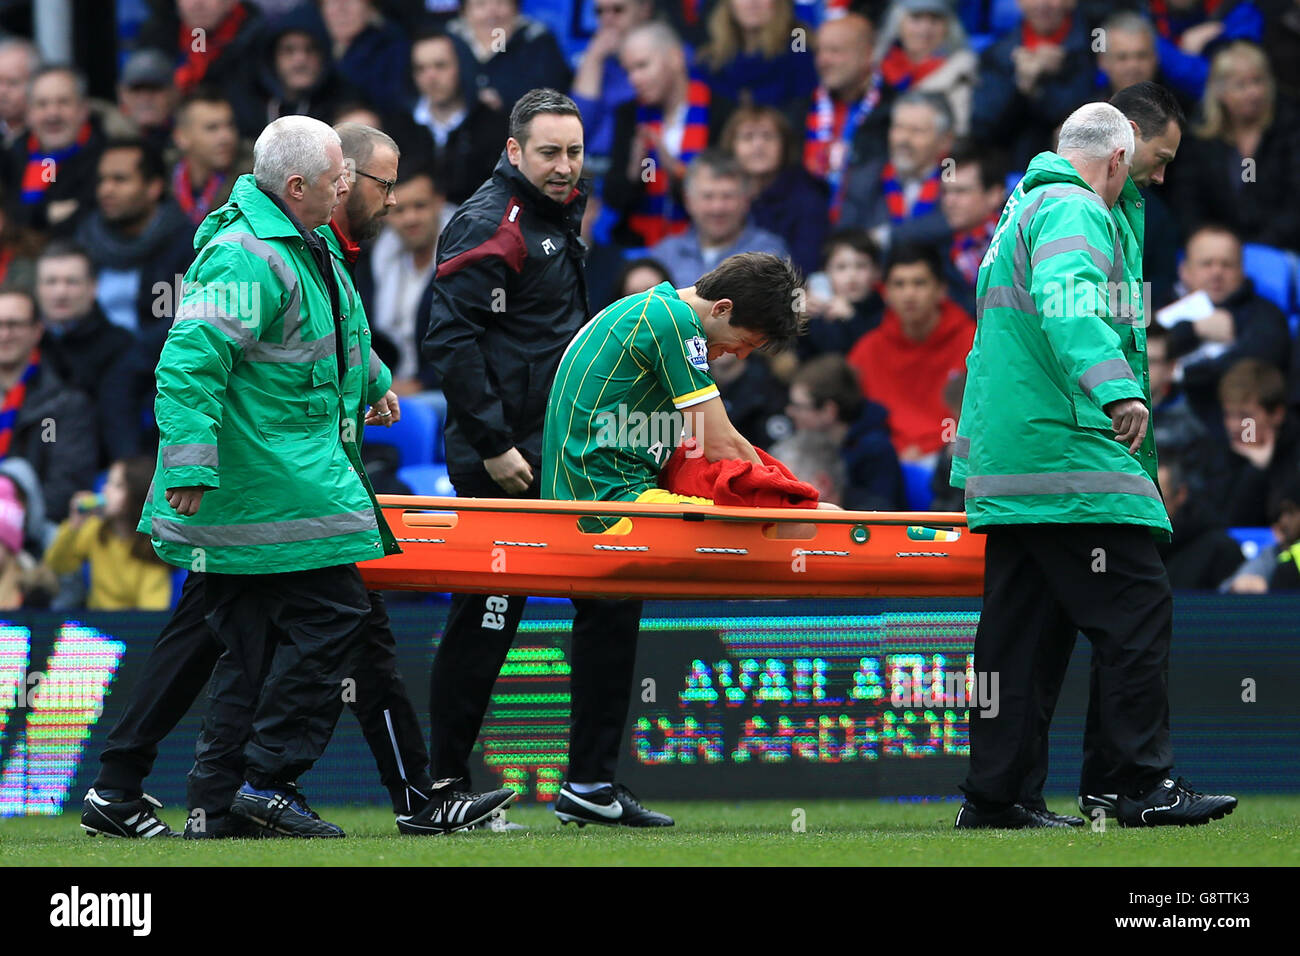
point(631, 509)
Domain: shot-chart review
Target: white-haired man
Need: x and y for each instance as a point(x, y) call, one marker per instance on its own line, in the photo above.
point(1059, 470)
point(262, 386)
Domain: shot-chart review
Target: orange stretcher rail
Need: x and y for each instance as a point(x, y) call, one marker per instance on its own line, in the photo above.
point(513, 546)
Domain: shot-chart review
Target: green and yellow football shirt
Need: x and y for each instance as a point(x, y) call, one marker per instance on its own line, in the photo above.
point(615, 412)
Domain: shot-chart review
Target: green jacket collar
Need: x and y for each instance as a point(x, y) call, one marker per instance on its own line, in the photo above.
point(1047, 168)
point(247, 200)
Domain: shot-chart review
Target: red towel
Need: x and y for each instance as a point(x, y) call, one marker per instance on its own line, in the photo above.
point(734, 482)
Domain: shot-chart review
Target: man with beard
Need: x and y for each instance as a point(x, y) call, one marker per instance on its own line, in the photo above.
point(186, 651)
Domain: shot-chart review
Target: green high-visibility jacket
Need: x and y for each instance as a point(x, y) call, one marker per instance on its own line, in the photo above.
point(1060, 335)
point(251, 407)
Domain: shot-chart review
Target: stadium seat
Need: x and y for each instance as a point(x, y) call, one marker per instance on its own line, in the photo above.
point(1252, 540)
point(438, 402)
point(916, 486)
point(427, 480)
point(979, 42)
point(417, 436)
point(1013, 180)
point(1274, 273)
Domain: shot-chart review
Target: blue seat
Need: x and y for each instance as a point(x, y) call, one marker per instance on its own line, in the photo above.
point(979, 42)
point(1005, 16)
point(417, 435)
point(1013, 180)
point(1274, 273)
point(427, 480)
point(1252, 540)
point(917, 486)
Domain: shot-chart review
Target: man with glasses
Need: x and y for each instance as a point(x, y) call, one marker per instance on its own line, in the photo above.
point(601, 83)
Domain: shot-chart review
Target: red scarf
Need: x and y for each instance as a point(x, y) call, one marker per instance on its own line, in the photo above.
point(42, 166)
point(195, 207)
point(1029, 39)
point(901, 71)
point(14, 401)
point(190, 73)
point(350, 249)
point(659, 215)
point(926, 200)
point(828, 137)
point(969, 245)
point(1164, 23)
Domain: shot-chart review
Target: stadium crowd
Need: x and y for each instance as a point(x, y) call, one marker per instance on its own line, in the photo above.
point(874, 143)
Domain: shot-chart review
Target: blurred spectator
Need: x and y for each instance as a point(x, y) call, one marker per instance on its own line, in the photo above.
point(1282, 43)
point(1241, 166)
point(1201, 555)
point(920, 344)
point(897, 199)
point(1129, 57)
point(212, 41)
point(54, 164)
point(125, 574)
point(971, 200)
point(923, 47)
point(754, 398)
point(137, 235)
point(943, 496)
point(1242, 324)
point(42, 420)
point(814, 457)
point(1190, 31)
point(212, 154)
point(849, 111)
point(1178, 428)
point(1263, 444)
point(22, 583)
point(80, 343)
point(291, 75)
point(38, 530)
point(401, 262)
point(146, 99)
point(18, 59)
point(1032, 78)
point(18, 248)
point(448, 128)
point(1275, 567)
point(843, 303)
point(788, 200)
point(758, 54)
point(601, 83)
point(638, 275)
point(825, 397)
point(717, 199)
point(656, 135)
point(368, 49)
point(506, 54)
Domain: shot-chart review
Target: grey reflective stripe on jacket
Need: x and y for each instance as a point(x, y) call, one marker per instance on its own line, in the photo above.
point(1061, 482)
point(180, 456)
point(262, 533)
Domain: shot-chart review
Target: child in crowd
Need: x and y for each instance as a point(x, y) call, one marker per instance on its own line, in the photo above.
point(843, 301)
point(125, 573)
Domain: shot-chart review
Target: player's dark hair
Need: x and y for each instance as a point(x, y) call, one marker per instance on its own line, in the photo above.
point(829, 378)
point(1151, 107)
point(766, 295)
point(912, 253)
point(149, 161)
point(534, 103)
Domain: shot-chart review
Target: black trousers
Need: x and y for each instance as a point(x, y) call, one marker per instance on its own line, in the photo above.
point(180, 664)
point(480, 630)
point(1042, 584)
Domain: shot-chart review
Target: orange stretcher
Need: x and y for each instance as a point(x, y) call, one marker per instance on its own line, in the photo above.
point(512, 546)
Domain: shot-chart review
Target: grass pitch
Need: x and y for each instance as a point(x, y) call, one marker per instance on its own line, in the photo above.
point(1263, 831)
